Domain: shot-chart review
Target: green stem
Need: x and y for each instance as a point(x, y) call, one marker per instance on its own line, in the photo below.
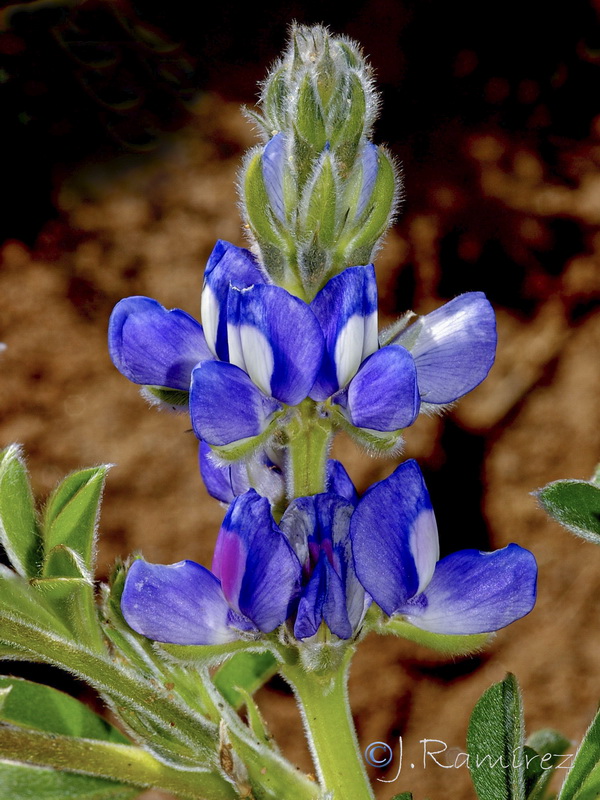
point(309, 437)
point(323, 701)
point(117, 762)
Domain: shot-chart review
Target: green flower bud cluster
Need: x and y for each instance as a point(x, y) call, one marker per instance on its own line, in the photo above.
point(318, 195)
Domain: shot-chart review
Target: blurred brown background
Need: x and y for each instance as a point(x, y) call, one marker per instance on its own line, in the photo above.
point(122, 140)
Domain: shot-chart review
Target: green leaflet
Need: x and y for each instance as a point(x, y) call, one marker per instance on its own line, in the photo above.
point(583, 780)
point(575, 504)
point(45, 709)
point(246, 672)
point(71, 514)
point(19, 529)
point(495, 743)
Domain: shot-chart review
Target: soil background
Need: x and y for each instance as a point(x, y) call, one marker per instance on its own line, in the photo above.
point(123, 137)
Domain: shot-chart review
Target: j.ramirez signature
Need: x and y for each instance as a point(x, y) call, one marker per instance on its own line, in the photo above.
point(380, 754)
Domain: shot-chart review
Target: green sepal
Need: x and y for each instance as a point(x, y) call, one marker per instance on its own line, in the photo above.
point(262, 220)
point(72, 599)
point(348, 128)
point(274, 99)
point(34, 706)
point(583, 779)
point(71, 513)
point(541, 754)
point(403, 796)
point(319, 205)
point(172, 399)
point(449, 644)
point(245, 447)
point(206, 654)
point(376, 442)
point(495, 741)
point(244, 673)
point(19, 527)
point(356, 246)
point(309, 121)
point(575, 504)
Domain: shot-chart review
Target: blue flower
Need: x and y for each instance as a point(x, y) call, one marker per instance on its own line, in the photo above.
point(262, 575)
point(255, 579)
point(431, 362)
point(259, 350)
point(396, 551)
point(324, 564)
point(318, 528)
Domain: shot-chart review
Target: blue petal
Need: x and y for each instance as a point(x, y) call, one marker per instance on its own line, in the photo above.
point(338, 481)
point(273, 162)
point(453, 347)
point(176, 603)
point(259, 571)
point(475, 592)
point(323, 599)
point(223, 482)
point(369, 161)
point(276, 339)
point(346, 308)
point(383, 395)
point(227, 266)
point(153, 346)
point(225, 406)
point(394, 538)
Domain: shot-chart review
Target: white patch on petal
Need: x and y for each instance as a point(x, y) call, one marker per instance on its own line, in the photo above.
point(370, 343)
point(209, 310)
point(349, 349)
point(258, 357)
point(236, 351)
point(425, 546)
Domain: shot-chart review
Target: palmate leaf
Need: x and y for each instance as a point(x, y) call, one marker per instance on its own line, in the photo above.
point(41, 708)
point(495, 742)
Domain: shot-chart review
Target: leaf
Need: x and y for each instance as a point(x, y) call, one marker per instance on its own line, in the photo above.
point(24, 782)
point(72, 600)
point(495, 743)
point(71, 514)
point(19, 601)
point(576, 505)
point(19, 531)
point(43, 708)
point(403, 796)
point(584, 776)
point(245, 671)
